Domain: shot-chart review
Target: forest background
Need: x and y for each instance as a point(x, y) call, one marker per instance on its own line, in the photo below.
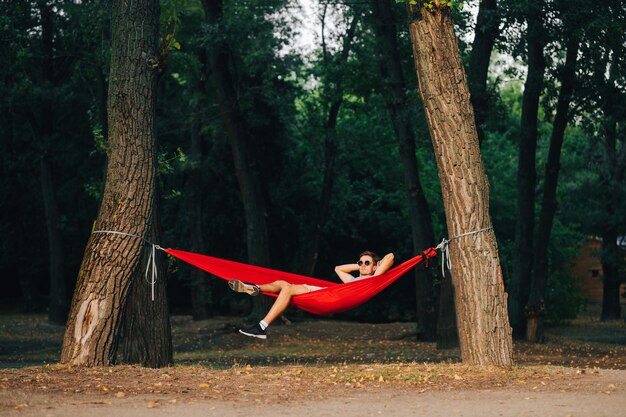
point(324, 147)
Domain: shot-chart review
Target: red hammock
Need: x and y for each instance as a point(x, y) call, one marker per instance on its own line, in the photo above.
point(334, 298)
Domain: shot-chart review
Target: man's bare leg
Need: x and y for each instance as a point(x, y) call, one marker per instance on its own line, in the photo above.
point(285, 292)
point(284, 297)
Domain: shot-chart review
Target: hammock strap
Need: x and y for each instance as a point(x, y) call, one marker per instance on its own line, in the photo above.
point(444, 248)
point(151, 265)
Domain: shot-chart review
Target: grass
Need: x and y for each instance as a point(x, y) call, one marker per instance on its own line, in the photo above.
point(314, 358)
point(28, 340)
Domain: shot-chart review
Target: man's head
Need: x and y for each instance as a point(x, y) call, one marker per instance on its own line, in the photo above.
point(367, 263)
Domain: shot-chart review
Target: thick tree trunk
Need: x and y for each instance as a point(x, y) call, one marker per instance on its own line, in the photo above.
point(519, 287)
point(128, 205)
point(484, 332)
point(393, 89)
point(246, 164)
point(146, 330)
point(549, 203)
point(485, 34)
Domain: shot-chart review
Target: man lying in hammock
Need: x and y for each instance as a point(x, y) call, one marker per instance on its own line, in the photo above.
point(368, 265)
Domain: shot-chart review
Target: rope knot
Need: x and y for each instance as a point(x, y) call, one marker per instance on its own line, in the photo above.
point(444, 248)
point(151, 258)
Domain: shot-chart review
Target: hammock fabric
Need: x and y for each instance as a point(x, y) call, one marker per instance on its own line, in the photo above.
point(334, 298)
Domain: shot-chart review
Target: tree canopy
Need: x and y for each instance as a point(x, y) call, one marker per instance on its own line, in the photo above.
point(53, 107)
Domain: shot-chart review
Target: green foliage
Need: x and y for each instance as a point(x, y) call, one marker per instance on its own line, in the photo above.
point(563, 299)
point(101, 144)
point(286, 95)
point(171, 11)
point(433, 4)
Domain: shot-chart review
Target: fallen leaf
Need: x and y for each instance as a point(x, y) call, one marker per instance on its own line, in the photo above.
point(120, 394)
point(152, 404)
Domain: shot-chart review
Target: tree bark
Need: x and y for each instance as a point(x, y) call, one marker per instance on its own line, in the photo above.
point(485, 33)
point(549, 202)
point(519, 287)
point(241, 143)
point(484, 332)
point(393, 88)
point(111, 262)
point(146, 336)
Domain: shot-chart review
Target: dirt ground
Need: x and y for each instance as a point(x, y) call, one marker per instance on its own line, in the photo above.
point(319, 367)
point(594, 394)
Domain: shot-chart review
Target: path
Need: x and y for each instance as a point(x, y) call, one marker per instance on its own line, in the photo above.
point(601, 394)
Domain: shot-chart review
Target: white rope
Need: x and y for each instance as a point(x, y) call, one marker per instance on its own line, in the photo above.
point(151, 257)
point(445, 255)
point(444, 247)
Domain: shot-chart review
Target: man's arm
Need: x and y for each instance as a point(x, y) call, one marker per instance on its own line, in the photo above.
point(344, 271)
point(384, 264)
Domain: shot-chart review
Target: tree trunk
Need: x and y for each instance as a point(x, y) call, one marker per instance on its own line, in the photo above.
point(58, 303)
point(485, 34)
point(612, 176)
point(201, 295)
point(549, 203)
point(246, 164)
point(611, 309)
point(447, 329)
point(393, 89)
point(484, 332)
point(519, 287)
point(146, 336)
point(128, 205)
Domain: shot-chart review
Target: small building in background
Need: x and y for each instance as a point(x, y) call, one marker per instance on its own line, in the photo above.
point(588, 268)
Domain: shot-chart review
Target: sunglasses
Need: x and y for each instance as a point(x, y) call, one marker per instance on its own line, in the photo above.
point(367, 263)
